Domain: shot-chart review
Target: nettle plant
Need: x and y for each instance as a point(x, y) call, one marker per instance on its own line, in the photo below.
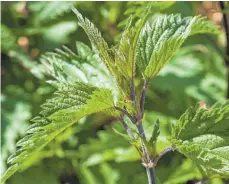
point(114, 80)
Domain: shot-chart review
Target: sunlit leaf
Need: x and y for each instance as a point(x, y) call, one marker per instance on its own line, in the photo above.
point(202, 135)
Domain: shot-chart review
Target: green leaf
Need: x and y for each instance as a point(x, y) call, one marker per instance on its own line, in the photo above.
point(137, 9)
point(88, 176)
point(186, 171)
point(155, 133)
point(125, 51)
point(110, 175)
point(203, 25)
point(128, 43)
point(203, 136)
point(15, 115)
point(8, 39)
point(159, 40)
point(97, 41)
point(125, 54)
point(69, 104)
point(53, 34)
point(112, 58)
point(64, 65)
point(47, 11)
point(83, 50)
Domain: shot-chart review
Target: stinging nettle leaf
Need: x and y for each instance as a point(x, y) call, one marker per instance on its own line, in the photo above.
point(97, 41)
point(64, 66)
point(70, 103)
point(203, 25)
point(125, 51)
point(47, 11)
point(138, 8)
point(155, 133)
point(111, 57)
point(203, 136)
point(124, 55)
point(159, 40)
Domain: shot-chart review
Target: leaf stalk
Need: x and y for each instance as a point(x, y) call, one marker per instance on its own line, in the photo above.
point(162, 153)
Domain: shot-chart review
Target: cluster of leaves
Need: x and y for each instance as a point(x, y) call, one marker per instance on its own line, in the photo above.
point(208, 145)
point(20, 88)
point(101, 78)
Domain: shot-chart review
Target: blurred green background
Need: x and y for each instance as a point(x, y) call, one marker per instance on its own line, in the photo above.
point(91, 153)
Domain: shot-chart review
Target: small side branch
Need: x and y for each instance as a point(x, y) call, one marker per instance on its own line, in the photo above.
point(127, 128)
point(161, 154)
point(125, 112)
point(226, 27)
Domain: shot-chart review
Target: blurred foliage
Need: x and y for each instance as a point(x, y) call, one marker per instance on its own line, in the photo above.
point(91, 152)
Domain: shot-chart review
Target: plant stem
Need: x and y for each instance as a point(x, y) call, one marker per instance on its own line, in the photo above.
point(149, 169)
point(161, 154)
point(150, 175)
point(143, 95)
point(226, 27)
point(127, 128)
